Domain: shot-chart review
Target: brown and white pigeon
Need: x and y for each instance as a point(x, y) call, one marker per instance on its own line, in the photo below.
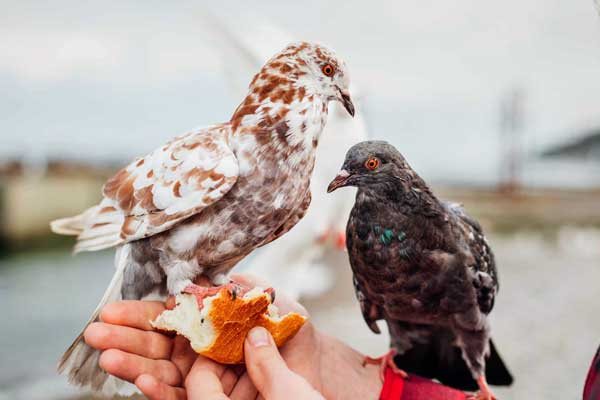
point(205, 200)
point(425, 267)
point(243, 41)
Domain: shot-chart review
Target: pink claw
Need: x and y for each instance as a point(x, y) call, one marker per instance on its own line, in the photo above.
point(484, 392)
point(202, 292)
point(386, 360)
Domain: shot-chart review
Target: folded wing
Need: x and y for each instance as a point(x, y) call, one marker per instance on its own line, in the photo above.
point(157, 191)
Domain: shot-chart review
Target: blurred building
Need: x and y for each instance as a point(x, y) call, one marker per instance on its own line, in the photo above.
point(585, 147)
point(33, 194)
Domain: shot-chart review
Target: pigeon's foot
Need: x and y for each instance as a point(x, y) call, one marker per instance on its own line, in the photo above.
point(202, 292)
point(484, 391)
point(386, 360)
point(235, 290)
point(340, 240)
point(270, 291)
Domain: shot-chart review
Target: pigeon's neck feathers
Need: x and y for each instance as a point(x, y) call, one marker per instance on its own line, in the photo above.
point(283, 113)
point(285, 109)
point(408, 193)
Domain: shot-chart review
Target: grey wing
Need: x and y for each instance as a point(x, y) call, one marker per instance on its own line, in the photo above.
point(370, 311)
point(483, 263)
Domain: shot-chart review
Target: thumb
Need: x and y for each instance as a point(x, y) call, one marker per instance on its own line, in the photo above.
point(264, 364)
point(269, 373)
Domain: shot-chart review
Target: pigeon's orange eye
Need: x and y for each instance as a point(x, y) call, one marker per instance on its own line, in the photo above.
point(372, 164)
point(328, 70)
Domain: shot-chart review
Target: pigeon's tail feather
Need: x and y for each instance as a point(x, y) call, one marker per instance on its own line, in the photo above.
point(71, 225)
point(80, 361)
point(95, 228)
point(496, 371)
point(99, 243)
point(440, 359)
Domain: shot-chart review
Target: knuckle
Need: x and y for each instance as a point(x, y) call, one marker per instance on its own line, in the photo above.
point(172, 375)
point(110, 359)
point(112, 313)
point(96, 334)
point(157, 345)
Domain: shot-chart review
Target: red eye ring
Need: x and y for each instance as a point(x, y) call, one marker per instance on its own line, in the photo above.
point(372, 163)
point(328, 70)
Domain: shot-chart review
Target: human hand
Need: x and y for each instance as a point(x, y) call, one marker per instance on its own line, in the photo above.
point(332, 367)
point(159, 364)
point(266, 368)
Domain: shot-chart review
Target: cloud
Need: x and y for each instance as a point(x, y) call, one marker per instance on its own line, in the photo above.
point(45, 56)
point(36, 56)
point(433, 72)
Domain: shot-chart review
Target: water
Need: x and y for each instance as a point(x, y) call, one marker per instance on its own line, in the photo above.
point(546, 321)
point(46, 299)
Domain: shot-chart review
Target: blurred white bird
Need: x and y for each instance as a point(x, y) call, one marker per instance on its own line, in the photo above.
point(242, 46)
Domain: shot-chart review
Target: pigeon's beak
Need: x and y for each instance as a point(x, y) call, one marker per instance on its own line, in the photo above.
point(346, 101)
point(340, 180)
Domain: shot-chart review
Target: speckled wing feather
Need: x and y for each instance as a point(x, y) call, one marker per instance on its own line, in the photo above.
point(483, 262)
point(157, 191)
point(370, 311)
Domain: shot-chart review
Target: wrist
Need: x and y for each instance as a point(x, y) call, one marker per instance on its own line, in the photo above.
point(343, 373)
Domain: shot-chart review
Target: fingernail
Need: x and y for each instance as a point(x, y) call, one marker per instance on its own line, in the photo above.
point(258, 337)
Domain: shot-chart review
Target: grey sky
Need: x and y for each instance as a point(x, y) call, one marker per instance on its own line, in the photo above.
point(112, 80)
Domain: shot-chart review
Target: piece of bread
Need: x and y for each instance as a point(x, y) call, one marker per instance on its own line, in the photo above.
point(218, 330)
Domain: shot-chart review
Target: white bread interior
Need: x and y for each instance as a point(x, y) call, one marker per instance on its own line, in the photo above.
point(188, 320)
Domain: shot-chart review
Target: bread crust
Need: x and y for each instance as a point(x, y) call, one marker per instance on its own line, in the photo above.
point(232, 317)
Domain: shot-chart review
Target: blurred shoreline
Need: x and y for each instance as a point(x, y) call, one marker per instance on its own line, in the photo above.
point(25, 224)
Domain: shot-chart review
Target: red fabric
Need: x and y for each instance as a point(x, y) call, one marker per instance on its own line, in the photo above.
point(416, 388)
point(591, 390)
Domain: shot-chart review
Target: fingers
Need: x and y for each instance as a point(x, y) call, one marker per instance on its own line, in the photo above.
point(170, 303)
point(204, 380)
point(228, 380)
point(132, 313)
point(286, 304)
point(244, 389)
point(103, 336)
point(209, 380)
point(154, 389)
point(265, 365)
point(130, 366)
point(269, 373)
point(183, 356)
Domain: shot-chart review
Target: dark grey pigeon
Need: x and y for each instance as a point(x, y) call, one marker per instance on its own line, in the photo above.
point(425, 267)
